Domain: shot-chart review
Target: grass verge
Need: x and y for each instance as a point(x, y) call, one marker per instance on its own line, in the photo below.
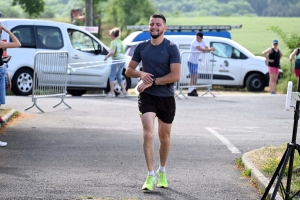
point(4, 111)
point(266, 160)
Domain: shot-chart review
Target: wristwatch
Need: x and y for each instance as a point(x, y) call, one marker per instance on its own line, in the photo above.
point(153, 83)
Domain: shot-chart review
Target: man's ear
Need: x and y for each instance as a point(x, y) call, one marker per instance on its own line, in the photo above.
point(166, 28)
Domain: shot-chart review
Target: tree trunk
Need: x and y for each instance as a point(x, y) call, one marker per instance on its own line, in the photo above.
point(89, 13)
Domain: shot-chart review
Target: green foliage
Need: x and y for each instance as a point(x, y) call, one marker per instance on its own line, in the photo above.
point(291, 40)
point(128, 12)
point(205, 8)
point(11, 12)
point(239, 162)
point(32, 7)
point(193, 8)
point(247, 172)
point(49, 13)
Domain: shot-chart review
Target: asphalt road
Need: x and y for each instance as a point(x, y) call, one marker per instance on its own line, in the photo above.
point(94, 149)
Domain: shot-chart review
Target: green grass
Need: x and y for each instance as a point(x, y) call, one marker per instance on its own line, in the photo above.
point(267, 159)
point(254, 34)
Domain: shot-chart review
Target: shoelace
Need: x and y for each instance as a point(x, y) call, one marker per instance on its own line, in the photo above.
point(161, 177)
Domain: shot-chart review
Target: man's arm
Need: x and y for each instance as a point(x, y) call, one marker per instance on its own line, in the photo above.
point(172, 77)
point(206, 49)
point(131, 72)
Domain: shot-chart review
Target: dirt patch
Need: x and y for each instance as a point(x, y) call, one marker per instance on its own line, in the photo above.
point(15, 120)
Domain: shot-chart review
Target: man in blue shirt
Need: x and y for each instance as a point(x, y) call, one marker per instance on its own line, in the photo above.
point(161, 68)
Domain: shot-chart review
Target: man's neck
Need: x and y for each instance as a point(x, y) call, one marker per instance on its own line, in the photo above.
point(157, 41)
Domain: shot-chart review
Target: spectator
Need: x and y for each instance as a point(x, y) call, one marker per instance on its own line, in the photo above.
point(117, 52)
point(198, 44)
point(273, 56)
point(3, 45)
point(296, 53)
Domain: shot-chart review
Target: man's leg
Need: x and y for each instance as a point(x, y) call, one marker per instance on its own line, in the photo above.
point(148, 136)
point(148, 147)
point(164, 132)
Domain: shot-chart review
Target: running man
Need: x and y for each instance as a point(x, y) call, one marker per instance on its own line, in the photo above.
point(161, 68)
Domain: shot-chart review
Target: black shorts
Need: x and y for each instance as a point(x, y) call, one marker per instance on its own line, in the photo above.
point(164, 107)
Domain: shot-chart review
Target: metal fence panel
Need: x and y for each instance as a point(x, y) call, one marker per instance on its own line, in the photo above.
point(205, 61)
point(49, 76)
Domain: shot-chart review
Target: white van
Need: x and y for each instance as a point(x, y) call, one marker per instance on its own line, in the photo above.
point(235, 66)
point(82, 46)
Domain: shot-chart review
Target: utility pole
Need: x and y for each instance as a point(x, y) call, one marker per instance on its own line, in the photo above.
point(89, 14)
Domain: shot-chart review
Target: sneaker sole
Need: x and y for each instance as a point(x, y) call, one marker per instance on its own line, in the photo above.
point(147, 189)
point(162, 186)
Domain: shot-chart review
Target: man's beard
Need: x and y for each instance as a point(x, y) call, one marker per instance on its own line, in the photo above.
point(156, 36)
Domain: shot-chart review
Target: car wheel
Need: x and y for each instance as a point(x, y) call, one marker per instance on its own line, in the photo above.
point(256, 83)
point(118, 89)
point(22, 82)
point(76, 92)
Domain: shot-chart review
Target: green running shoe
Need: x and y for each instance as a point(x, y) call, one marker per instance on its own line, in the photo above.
point(162, 180)
point(148, 185)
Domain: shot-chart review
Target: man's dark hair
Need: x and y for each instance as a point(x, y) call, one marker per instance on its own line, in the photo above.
point(159, 16)
point(200, 34)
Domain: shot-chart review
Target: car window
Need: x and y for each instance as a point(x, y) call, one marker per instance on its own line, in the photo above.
point(25, 36)
point(227, 51)
point(48, 37)
point(83, 42)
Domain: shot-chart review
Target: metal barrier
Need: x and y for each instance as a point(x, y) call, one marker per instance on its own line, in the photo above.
point(204, 69)
point(49, 76)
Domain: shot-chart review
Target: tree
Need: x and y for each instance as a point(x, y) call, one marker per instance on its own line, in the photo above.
point(129, 12)
point(32, 7)
point(291, 40)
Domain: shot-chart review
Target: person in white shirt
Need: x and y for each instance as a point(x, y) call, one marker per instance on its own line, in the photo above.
point(197, 44)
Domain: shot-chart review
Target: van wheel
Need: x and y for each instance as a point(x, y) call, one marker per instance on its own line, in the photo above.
point(118, 89)
point(22, 82)
point(256, 83)
point(76, 92)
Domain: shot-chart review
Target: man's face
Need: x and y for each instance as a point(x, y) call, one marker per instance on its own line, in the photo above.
point(156, 27)
point(198, 38)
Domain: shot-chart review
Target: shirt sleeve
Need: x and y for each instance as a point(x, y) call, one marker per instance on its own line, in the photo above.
point(137, 54)
point(113, 45)
point(174, 54)
point(195, 44)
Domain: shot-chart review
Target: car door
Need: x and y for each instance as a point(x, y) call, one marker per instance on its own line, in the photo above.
point(49, 37)
point(228, 64)
point(86, 58)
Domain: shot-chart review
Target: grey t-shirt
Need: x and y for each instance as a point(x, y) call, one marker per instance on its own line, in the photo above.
point(157, 60)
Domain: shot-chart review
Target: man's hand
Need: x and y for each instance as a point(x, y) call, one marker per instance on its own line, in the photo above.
point(143, 86)
point(147, 78)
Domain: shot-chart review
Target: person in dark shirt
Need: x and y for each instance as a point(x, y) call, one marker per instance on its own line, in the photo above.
point(161, 68)
point(3, 46)
point(273, 56)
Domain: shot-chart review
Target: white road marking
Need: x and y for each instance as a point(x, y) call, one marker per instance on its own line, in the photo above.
point(225, 141)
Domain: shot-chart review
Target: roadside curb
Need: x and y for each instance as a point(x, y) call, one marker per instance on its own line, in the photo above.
point(258, 177)
point(9, 115)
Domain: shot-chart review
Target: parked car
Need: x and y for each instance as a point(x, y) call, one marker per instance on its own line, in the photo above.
point(234, 65)
point(82, 47)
